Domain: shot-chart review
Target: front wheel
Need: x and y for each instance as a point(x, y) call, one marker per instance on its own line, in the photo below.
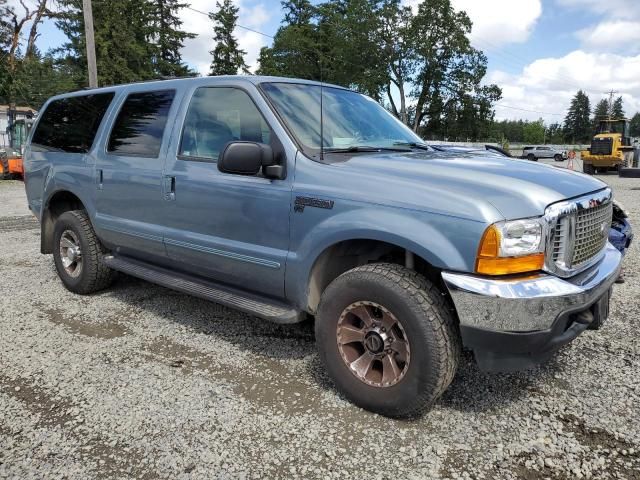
point(387, 339)
point(588, 168)
point(558, 158)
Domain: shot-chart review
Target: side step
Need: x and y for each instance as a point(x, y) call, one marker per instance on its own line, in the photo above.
point(249, 303)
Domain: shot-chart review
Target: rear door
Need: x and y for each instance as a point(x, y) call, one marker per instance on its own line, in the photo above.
point(128, 176)
point(231, 228)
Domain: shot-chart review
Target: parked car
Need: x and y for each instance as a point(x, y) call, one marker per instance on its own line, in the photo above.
point(241, 190)
point(535, 153)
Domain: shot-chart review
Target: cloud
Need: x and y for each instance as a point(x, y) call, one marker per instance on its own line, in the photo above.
point(612, 8)
point(500, 22)
point(196, 50)
point(496, 22)
point(547, 84)
point(612, 35)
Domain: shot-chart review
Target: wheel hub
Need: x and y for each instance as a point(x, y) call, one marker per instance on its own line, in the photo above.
point(373, 344)
point(70, 253)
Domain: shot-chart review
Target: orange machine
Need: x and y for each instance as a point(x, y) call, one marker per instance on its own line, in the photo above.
point(11, 159)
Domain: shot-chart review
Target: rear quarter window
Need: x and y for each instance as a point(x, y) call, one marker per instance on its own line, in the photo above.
point(140, 125)
point(70, 124)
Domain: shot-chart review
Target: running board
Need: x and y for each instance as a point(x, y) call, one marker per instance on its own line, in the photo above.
point(249, 303)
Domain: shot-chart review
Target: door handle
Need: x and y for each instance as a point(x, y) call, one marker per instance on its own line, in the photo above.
point(99, 178)
point(170, 188)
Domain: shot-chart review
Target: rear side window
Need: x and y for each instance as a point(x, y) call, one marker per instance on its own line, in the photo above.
point(139, 127)
point(70, 124)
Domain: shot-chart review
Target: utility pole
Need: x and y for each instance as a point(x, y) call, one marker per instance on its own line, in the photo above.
point(611, 94)
point(91, 44)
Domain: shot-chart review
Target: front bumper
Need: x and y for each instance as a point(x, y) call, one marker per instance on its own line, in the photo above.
point(515, 322)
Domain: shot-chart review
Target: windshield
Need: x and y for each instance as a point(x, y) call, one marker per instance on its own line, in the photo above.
point(349, 119)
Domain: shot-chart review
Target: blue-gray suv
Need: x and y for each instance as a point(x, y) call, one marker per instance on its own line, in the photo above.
point(287, 198)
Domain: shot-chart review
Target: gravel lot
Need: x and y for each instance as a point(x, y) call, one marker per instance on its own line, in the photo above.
point(142, 382)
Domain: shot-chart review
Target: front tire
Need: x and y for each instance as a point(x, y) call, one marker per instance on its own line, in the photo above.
point(558, 158)
point(77, 253)
point(387, 338)
point(588, 168)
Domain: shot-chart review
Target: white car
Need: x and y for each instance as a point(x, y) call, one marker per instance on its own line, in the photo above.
point(534, 153)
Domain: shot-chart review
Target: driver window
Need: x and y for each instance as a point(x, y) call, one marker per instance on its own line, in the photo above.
point(216, 116)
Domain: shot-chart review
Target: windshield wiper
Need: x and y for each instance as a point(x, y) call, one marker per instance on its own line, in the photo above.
point(419, 146)
point(363, 149)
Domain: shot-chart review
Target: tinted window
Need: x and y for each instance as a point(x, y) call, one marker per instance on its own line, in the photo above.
point(70, 124)
point(217, 116)
point(139, 128)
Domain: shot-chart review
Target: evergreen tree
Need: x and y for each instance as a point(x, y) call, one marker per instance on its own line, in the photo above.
point(5, 27)
point(577, 123)
point(295, 51)
point(122, 28)
point(601, 112)
point(227, 56)
point(617, 110)
point(168, 37)
point(634, 127)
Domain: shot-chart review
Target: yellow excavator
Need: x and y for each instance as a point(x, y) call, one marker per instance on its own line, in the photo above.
point(611, 148)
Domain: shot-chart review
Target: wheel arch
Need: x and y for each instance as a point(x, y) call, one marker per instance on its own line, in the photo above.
point(58, 202)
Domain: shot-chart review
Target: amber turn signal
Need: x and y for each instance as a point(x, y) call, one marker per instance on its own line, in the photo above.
point(489, 263)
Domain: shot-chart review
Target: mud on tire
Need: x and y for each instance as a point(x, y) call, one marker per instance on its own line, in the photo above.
point(426, 321)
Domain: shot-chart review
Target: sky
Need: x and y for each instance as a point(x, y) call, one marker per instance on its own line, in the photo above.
point(540, 52)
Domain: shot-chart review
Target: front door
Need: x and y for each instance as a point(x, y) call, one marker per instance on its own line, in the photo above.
point(128, 176)
point(231, 228)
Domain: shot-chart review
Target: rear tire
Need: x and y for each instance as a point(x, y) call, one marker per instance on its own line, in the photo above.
point(588, 168)
point(532, 157)
point(424, 322)
point(78, 253)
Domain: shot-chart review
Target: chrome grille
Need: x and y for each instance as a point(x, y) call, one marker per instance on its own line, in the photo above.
point(592, 231)
point(577, 232)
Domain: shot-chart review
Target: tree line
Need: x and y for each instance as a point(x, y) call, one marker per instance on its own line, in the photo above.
point(418, 63)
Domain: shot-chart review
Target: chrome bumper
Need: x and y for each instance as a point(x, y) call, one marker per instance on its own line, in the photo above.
point(526, 304)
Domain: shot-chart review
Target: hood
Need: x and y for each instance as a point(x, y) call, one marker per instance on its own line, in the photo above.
point(463, 184)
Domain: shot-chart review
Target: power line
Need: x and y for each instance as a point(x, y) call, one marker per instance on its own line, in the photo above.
point(527, 110)
point(237, 25)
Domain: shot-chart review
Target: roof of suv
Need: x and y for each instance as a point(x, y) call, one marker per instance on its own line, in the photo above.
point(176, 82)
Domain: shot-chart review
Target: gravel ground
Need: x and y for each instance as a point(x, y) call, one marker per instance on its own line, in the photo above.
point(142, 382)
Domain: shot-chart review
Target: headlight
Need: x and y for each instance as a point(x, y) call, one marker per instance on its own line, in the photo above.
point(514, 246)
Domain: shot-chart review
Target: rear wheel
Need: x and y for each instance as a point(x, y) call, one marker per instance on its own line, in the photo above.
point(532, 157)
point(77, 254)
point(387, 339)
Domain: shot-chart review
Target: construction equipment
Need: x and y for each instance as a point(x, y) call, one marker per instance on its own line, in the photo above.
point(17, 132)
point(611, 147)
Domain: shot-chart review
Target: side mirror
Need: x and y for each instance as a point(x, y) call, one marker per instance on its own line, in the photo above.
point(247, 158)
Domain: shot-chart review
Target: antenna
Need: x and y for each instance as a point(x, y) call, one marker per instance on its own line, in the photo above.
point(321, 113)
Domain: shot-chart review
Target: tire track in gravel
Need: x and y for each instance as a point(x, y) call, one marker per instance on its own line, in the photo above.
point(105, 331)
point(53, 411)
point(267, 382)
point(13, 224)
